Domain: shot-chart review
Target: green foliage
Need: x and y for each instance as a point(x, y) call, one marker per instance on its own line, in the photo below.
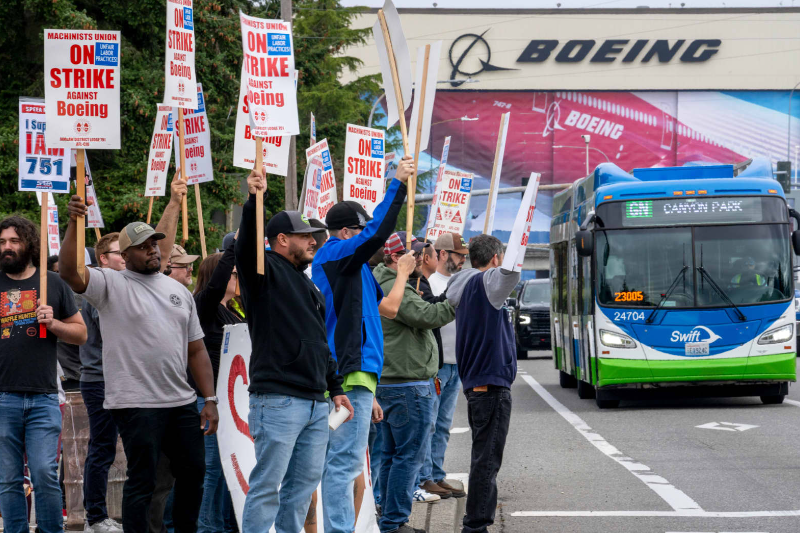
point(321, 31)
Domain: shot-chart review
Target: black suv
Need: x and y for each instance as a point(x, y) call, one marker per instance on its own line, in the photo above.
point(532, 316)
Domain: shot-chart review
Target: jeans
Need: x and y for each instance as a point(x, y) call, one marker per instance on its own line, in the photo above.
point(215, 490)
point(291, 436)
point(407, 415)
point(376, 458)
point(100, 453)
point(30, 424)
point(160, 514)
point(344, 462)
point(489, 416)
point(444, 407)
point(146, 432)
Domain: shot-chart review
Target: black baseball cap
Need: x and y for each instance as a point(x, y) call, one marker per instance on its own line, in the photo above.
point(289, 222)
point(346, 214)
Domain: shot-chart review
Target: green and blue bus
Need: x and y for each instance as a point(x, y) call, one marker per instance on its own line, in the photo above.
point(676, 281)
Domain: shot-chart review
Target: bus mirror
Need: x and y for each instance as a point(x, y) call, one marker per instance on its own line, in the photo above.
point(584, 242)
point(796, 241)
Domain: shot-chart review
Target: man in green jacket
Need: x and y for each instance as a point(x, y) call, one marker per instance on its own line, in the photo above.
point(411, 359)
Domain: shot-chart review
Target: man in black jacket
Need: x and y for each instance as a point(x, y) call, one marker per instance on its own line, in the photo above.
point(291, 367)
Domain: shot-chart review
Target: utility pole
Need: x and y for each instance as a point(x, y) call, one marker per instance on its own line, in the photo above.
point(291, 174)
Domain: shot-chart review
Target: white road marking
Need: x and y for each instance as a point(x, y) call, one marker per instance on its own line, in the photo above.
point(726, 426)
point(659, 514)
point(674, 497)
point(793, 402)
point(458, 430)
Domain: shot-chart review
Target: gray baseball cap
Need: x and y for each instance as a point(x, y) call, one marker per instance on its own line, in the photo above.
point(136, 233)
point(289, 222)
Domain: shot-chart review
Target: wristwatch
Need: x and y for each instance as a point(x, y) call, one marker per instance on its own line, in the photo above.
point(212, 399)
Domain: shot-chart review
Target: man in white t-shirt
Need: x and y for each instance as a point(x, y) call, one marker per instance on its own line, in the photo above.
point(452, 254)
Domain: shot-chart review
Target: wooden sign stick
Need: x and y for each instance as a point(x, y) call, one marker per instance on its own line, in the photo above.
point(259, 211)
point(185, 203)
point(150, 209)
point(43, 251)
point(493, 183)
point(200, 219)
point(80, 159)
point(412, 187)
point(97, 233)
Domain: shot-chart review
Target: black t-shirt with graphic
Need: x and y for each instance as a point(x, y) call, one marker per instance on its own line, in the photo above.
point(28, 363)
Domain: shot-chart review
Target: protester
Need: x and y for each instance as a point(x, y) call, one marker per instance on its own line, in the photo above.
point(181, 265)
point(30, 418)
point(354, 303)
point(411, 360)
point(291, 367)
point(216, 286)
point(487, 364)
point(52, 263)
point(452, 253)
point(157, 334)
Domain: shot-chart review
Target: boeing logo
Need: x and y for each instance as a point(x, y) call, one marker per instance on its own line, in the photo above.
point(696, 335)
point(474, 44)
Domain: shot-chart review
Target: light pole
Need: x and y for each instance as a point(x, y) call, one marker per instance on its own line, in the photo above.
point(586, 139)
point(789, 126)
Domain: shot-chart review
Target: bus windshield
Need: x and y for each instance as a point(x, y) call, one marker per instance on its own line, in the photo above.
point(751, 263)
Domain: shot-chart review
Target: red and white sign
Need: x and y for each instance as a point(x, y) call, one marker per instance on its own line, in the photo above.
point(160, 152)
point(437, 188)
point(53, 237)
point(269, 78)
point(313, 129)
point(81, 88)
point(450, 213)
point(320, 184)
point(94, 219)
point(363, 168)
point(40, 168)
point(196, 142)
point(179, 71)
point(518, 241)
point(276, 149)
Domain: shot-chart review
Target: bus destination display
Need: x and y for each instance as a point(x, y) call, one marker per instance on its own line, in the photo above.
point(692, 211)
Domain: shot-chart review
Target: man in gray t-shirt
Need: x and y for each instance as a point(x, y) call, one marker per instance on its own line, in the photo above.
point(151, 334)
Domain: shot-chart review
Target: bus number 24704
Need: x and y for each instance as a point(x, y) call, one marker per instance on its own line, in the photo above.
point(632, 316)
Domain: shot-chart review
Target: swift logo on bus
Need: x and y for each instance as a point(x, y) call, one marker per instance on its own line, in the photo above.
point(694, 335)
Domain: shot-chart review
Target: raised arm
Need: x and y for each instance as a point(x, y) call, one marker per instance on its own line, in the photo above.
point(390, 305)
point(245, 248)
point(68, 256)
point(498, 284)
point(168, 225)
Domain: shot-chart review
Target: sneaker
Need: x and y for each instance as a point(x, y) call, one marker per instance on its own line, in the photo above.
point(105, 526)
point(457, 493)
point(405, 528)
point(425, 496)
point(433, 488)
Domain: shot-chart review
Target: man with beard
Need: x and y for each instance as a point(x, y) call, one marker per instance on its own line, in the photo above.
point(291, 367)
point(30, 419)
point(152, 334)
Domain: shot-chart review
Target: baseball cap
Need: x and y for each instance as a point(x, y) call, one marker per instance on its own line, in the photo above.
point(179, 256)
point(347, 213)
point(227, 240)
point(136, 233)
point(397, 244)
point(289, 222)
point(452, 242)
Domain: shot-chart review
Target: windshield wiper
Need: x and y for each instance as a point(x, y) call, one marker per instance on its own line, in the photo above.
point(704, 273)
point(666, 295)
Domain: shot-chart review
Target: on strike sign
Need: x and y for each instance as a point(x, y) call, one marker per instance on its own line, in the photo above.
point(81, 88)
point(196, 142)
point(518, 241)
point(53, 237)
point(363, 170)
point(94, 219)
point(321, 185)
point(452, 204)
point(160, 153)
point(269, 76)
point(179, 75)
point(40, 168)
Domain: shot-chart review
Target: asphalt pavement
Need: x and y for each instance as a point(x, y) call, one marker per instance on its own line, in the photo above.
point(643, 467)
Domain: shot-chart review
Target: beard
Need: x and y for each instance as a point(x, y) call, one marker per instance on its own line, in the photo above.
point(451, 266)
point(300, 255)
point(14, 263)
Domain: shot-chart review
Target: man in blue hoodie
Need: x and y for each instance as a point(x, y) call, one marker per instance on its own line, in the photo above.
point(487, 364)
point(354, 304)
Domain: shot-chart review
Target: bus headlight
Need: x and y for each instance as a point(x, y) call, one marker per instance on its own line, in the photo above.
point(524, 320)
point(774, 336)
point(616, 340)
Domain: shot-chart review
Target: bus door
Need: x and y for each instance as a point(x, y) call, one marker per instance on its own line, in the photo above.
point(575, 311)
point(561, 325)
point(585, 316)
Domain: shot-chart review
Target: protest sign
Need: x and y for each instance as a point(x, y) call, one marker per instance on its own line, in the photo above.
point(41, 168)
point(93, 217)
point(390, 166)
point(236, 447)
point(53, 237)
point(313, 180)
point(196, 142)
point(518, 241)
point(313, 129)
point(421, 117)
point(275, 149)
point(452, 204)
point(322, 180)
point(395, 63)
point(437, 187)
point(81, 88)
point(363, 169)
point(160, 152)
point(269, 78)
point(179, 71)
point(494, 185)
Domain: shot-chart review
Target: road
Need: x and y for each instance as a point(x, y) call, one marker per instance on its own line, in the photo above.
point(643, 467)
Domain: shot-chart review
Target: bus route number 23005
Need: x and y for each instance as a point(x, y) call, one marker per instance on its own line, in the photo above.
point(631, 316)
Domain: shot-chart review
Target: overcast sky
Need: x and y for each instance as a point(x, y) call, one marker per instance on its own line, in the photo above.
point(568, 4)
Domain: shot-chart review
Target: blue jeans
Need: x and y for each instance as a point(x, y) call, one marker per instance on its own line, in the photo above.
point(407, 415)
point(444, 407)
point(376, 458)
point(30, 423)
point(291, 436)
point(100, 453)
point(344, 462)
point(215, 490)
